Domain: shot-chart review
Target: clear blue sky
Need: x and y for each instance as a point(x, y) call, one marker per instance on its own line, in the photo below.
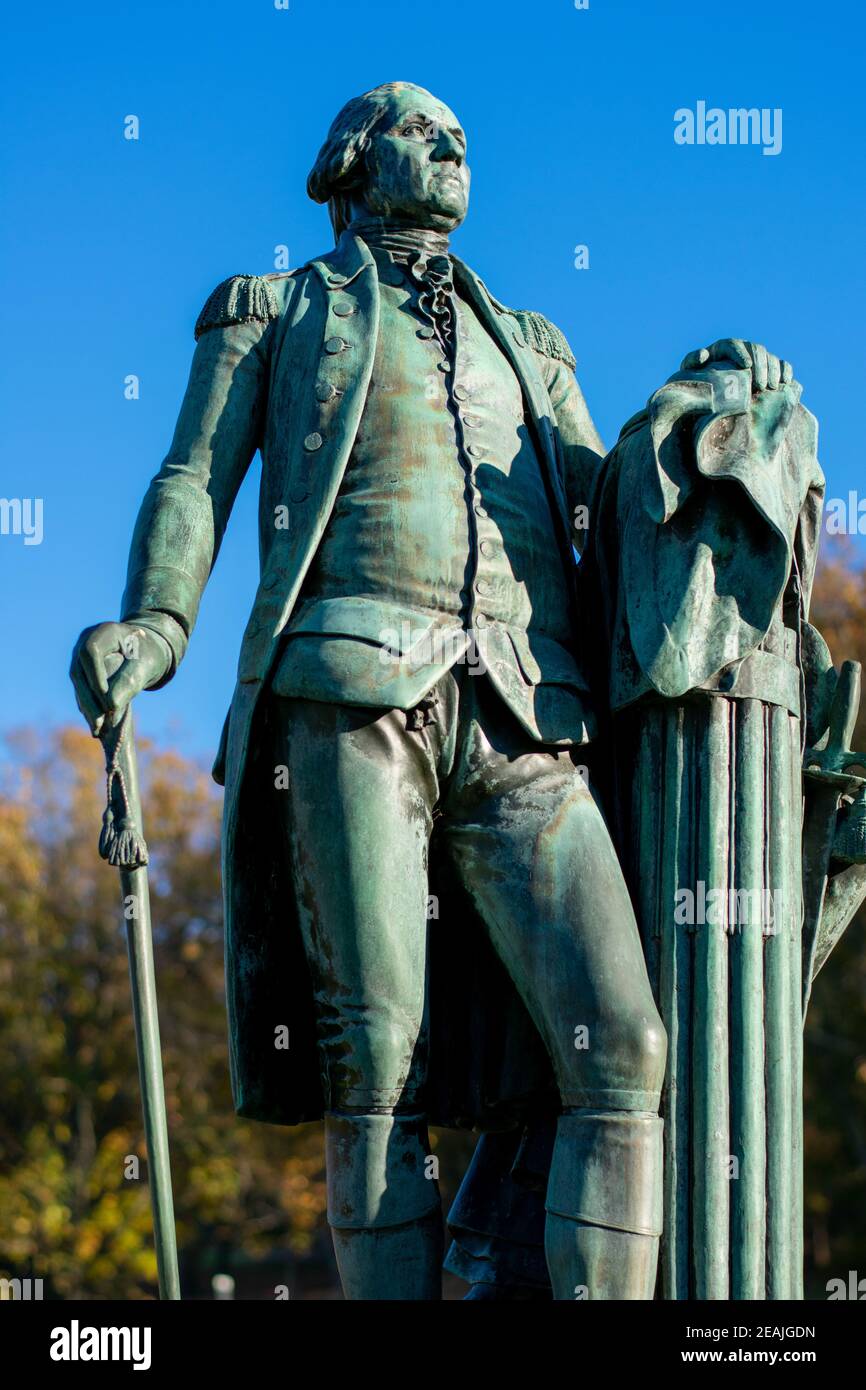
point(111, 246)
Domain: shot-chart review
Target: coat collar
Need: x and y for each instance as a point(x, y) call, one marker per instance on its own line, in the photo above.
point(349, 258)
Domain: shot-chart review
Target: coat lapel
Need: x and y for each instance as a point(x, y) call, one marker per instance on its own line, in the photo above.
point(507, 333)
point(339, 350)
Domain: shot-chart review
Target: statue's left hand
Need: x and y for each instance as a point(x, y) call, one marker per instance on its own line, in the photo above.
point(768, 372)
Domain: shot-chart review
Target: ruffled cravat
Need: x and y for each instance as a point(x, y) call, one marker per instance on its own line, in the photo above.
point(424, 256)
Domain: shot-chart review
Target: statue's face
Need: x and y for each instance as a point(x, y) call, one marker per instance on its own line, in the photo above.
point(416, 164)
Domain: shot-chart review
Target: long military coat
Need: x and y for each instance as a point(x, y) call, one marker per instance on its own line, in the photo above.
point(269, 350)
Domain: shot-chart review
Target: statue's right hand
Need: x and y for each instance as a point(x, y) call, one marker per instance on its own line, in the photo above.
point(111, 663)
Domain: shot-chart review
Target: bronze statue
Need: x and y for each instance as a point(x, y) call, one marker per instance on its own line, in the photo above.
point(420, 884)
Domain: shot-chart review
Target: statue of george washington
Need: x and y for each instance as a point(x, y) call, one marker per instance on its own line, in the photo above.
point(408, 729)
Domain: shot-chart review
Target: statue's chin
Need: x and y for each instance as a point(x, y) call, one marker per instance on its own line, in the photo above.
point(440, 217)
point(437, 216)
point(444, 222)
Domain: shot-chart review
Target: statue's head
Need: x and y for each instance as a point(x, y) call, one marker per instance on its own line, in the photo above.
point(394, 152)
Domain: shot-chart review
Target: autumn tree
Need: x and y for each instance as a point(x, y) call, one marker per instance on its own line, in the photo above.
point(74, 1204)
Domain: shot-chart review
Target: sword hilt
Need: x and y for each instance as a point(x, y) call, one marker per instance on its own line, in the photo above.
point(836, 755)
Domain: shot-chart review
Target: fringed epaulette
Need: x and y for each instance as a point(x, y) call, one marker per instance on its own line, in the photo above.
point(240, 299)
point(544, 336)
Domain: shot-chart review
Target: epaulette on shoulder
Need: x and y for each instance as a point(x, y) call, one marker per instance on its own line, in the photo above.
point(240, 299)
point(544, 336)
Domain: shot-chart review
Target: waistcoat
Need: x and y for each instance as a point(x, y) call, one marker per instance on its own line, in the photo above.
point(441, 546)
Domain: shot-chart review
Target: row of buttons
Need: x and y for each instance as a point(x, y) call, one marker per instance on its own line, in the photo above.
point(325, 391)
point(334, 345)
point(483, 588)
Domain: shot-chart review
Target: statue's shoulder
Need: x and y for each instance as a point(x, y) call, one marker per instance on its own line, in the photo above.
point(545, 337)
point(246, 299)
point(539, 332)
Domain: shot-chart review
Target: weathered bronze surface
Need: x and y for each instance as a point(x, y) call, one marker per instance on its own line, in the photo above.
point(419, 882)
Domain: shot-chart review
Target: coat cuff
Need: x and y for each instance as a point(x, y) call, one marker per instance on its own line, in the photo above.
point(171, 632)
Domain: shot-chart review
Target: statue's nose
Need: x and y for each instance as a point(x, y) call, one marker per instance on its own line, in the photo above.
point(447, 148)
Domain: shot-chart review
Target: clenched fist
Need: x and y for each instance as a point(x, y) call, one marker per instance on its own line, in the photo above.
point(111, 663)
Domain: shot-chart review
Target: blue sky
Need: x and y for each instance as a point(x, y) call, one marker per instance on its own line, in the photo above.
point(110, 246)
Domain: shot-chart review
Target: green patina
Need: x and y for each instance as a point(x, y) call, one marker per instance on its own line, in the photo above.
point(425, 453)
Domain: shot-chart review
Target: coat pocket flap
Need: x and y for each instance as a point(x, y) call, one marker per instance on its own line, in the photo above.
point(544, 661)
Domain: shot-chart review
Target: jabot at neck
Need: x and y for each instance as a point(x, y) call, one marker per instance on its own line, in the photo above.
point(400, 238)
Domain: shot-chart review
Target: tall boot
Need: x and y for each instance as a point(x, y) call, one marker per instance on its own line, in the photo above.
point(384, 1212)
point(604, 1205)
point(397, 1262)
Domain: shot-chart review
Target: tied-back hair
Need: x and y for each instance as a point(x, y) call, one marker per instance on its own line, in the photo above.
point(339, 168)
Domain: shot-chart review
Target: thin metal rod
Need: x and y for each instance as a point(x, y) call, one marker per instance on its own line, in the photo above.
point(139, 941)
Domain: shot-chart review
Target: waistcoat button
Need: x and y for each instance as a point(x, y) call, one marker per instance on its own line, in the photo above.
point(313, 441)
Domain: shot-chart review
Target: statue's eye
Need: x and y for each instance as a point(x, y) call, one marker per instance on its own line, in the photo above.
point(416, 128)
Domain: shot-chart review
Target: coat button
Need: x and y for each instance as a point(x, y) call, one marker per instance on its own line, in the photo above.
point(325, 391)
point(475, 450)
point(313, 441)
point(470, 421)
point(335, 345)
point(335, 278)
point(462, 393)
point(486, 548)
point(425, 332)
point(444, 365)
point(344, 309)
point(482, 586)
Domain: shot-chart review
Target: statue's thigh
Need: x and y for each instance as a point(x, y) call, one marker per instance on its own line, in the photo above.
point(539, 864)
point(357, 826)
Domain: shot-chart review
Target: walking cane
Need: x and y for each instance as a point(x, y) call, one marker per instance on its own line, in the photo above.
point(122, 845)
